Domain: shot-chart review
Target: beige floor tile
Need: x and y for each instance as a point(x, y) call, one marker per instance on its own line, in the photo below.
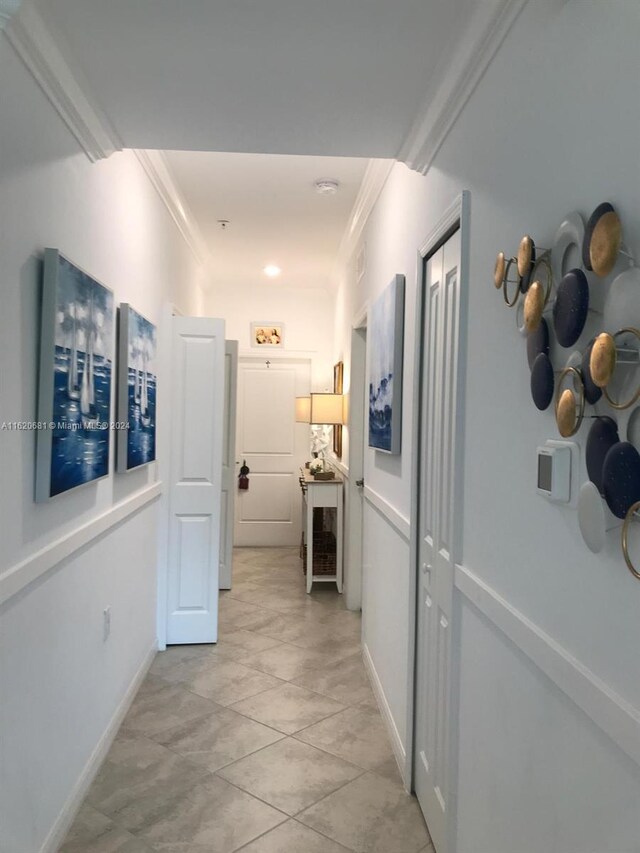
point(370, 815)
point(288, 708)
point(160, 705)
point(290, 775)
point(247, 641)
point(219, 739)
point(286, 661)
point(138, 780)
point(344, 680)
point(212, 816)
point(293, 837)
point(226, 682)
point(93, 832)
point(356, 734)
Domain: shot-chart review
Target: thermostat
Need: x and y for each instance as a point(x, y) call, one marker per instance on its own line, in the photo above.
point(554, 471)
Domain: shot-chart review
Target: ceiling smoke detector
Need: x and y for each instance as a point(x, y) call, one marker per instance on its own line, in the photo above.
point(326, 186)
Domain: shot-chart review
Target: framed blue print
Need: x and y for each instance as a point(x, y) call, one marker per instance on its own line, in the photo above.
point(386, 334)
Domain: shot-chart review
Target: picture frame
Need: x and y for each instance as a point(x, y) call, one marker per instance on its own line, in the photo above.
point(338, 385)
point(267, 335)
point(137, 390)
point(75, 378)
point(386, 336)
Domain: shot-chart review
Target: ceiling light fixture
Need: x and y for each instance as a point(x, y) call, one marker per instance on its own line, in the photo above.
point(272, 270)
point(326, 186)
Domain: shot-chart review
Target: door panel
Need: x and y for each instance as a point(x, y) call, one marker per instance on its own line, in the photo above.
point(437, 524)
point(196, 480)
point(275, 447)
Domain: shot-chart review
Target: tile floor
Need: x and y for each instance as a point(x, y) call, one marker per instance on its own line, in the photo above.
point(268, 742)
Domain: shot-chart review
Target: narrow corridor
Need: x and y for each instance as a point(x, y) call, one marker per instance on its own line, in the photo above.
point(269, 742)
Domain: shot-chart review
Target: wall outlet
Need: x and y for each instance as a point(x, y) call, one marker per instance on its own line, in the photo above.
point(106, 624)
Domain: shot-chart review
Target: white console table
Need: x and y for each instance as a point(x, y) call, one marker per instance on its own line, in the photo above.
point(321, 494)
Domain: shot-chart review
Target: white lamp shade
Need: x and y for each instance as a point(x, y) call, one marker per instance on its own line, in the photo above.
point(303, 410)
point(326, 409)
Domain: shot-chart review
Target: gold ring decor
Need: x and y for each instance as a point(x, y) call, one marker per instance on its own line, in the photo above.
point(499, 271)
point(510, 302)
point(625, 541)
point(569, 411)
point(609, 357)
point(545, 262)
point(533, 306)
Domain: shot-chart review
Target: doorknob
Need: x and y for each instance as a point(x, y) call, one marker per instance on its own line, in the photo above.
point(360, 483)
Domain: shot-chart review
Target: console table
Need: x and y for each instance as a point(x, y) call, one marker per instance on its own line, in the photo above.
point(321, 550)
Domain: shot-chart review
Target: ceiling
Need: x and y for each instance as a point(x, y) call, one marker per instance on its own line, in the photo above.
point(330, 77)
point(275, 214)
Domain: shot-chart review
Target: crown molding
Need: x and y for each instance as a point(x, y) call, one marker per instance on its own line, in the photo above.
point(8, 9)
point(375, 177)
point(35, 45)
point(159, 173)
point(486, 30)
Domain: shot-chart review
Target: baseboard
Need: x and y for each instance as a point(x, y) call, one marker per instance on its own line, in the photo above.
point(385, 710)
point(70, 809)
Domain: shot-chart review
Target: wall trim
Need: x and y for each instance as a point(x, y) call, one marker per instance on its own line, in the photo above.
point(375, 177)
point(385, 710)
point(488, 25)
point(37, 48)
point(615, 716)
point(75, 799)
point(159, 173)
point(19, 576)
point(8, 9)
point(399, 522)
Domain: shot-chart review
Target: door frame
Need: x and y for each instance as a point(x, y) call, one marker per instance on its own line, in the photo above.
point(457, 215)
point(355, 470)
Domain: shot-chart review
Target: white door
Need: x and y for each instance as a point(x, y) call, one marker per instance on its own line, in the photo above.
point(358, 395)
point(274, 446)
point(228, 463)
point(439, 395)
point(196, 479)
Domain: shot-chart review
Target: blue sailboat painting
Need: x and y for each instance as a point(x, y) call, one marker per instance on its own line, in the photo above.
point(137, 385)
point(386, 334)
point(76, 358)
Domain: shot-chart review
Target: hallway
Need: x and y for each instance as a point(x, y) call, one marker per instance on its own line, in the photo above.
point(268, 742)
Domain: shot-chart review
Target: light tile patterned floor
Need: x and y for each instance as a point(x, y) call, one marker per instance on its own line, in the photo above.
point(268, 742)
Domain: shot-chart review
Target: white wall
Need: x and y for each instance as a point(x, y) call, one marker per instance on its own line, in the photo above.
point(551, 128)
point(60, 683)
point(306, 312)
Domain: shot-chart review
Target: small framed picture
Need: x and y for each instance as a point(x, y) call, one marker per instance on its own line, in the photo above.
point(267, 335)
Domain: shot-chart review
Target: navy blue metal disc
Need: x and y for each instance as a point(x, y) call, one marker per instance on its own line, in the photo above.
point(621, 477)
point(538, 342)
point(602, 437)
point(592, 392)
point(597, 214)
point(570, 308)
point(542, 381)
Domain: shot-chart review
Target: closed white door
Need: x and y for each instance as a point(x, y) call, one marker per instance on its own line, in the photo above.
point(196, 479)
point(274, 447)
point(228, 463)
point(439, 396)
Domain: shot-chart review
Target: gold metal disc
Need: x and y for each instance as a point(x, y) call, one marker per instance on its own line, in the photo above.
point(533, 306)
point(499, 270)
point(605, 243)
point(603, 359)
point(525, 255)
point(566, 413)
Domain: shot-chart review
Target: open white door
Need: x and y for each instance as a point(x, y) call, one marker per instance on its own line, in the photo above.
point(228, 462)
point(198, 347)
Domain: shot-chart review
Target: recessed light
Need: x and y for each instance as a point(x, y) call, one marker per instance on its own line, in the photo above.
point(326, 186)
point(272, 270)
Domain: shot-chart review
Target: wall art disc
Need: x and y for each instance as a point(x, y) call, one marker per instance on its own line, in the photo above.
point(591, 518)
point(592, 392)
point(621, 303)
point(538, 342)
point(602, 240)
point(566, 253)
point(602, 437)
point(542, 381)
point(621, 478)
point(571, 307)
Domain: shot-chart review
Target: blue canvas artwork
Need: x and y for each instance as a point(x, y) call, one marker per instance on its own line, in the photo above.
point(75, 378)
point(137, 384)
point(385, 332)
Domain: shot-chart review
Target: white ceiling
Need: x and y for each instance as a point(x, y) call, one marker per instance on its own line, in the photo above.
point(275, 214)
point(337, 77)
